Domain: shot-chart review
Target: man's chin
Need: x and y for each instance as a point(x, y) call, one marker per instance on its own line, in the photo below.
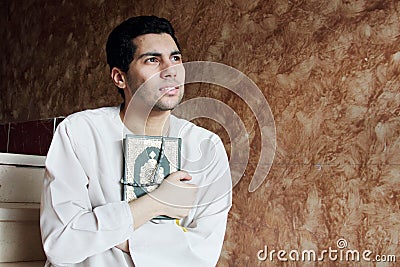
point(163, 108)
point(166, 105)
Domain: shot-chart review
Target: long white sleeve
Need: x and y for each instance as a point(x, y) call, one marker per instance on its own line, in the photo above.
point(73, 229)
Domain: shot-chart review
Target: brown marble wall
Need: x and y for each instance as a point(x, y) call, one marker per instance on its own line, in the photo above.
point(329, 70)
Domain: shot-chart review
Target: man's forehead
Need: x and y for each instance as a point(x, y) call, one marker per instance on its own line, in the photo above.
point(155, 42)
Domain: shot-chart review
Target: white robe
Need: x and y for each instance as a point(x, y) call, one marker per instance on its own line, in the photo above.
point(83, 217)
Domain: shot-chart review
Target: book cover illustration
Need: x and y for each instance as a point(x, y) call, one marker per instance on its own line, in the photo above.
point(147, 161)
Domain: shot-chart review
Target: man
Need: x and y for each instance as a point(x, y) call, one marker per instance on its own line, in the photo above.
point(83, 221)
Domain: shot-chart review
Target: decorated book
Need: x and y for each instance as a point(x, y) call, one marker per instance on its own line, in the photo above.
point(147, 161)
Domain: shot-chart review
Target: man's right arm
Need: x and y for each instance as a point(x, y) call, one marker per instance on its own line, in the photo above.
point(72, 229)
point(173, 198)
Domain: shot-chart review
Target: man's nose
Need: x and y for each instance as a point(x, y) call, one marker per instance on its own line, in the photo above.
point(169, 71)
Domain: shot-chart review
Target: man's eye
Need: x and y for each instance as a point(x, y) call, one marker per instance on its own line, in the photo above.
point(151, 60)
point(176, 58)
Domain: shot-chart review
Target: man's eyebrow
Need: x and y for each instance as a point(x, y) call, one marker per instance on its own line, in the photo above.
point(149, 54)
point(156, 54)
point(176, 52)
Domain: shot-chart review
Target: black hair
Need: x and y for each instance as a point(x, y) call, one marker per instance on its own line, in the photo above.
point(120, 47)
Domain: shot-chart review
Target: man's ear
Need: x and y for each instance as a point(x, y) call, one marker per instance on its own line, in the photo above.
point(118, 77)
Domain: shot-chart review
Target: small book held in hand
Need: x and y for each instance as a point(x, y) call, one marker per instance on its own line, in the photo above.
point(147, 161)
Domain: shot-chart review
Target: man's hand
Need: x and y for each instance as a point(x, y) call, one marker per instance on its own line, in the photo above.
point(175, 196)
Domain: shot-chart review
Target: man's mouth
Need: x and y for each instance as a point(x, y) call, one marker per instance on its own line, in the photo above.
point(169, 90)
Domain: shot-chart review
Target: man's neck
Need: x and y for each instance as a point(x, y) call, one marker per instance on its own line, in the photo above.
point(156, 124)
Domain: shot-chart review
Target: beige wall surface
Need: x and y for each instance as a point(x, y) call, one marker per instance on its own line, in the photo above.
point(329, 70)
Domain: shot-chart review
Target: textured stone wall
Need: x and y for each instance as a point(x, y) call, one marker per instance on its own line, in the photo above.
point(328, 68)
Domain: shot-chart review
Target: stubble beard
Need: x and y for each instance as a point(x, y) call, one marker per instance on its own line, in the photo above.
point(167, 105)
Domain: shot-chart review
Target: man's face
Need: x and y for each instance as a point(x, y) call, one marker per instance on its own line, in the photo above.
point(158, 62)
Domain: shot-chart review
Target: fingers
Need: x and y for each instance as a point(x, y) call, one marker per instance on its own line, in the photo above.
point(179, 176)
point(176, 197)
